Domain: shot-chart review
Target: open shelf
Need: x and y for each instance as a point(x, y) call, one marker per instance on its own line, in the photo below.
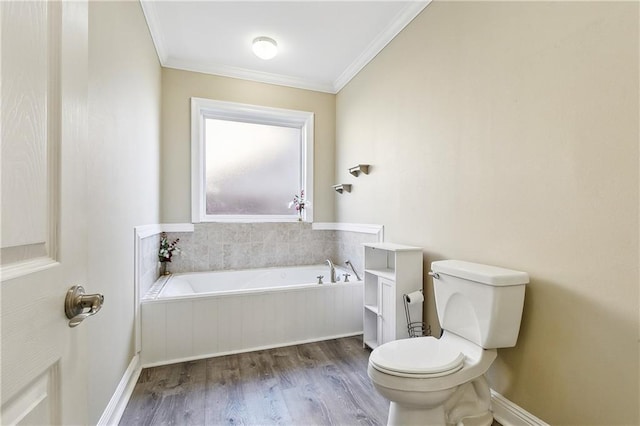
point(372, 308)
point(390, 270)
point(384, 272)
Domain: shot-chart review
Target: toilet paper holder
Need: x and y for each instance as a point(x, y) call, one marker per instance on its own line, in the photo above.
point(414, 328)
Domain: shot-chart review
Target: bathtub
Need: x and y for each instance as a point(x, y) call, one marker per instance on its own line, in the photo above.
point(199, 315)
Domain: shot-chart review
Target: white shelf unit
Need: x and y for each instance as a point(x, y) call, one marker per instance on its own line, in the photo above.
point(390, 270)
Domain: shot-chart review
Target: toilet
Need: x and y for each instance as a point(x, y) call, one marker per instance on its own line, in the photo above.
point(432, 381)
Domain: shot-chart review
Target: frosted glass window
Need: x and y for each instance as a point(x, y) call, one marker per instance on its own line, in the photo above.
point(248, 162)
point(251, 169)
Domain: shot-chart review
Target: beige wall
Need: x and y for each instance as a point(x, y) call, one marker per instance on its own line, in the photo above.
point(123, 180)
point(507, 133)
point(177, 89)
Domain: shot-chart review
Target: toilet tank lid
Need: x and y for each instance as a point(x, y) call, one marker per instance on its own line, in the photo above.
point(485, 274)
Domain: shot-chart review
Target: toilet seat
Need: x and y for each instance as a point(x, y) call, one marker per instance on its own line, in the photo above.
point(422, 357)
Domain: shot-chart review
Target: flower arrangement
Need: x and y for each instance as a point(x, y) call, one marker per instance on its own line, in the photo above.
point(299, 202)
point(167, 249)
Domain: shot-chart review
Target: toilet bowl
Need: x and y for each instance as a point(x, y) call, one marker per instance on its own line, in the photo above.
point(422, 377)
point(432, 381)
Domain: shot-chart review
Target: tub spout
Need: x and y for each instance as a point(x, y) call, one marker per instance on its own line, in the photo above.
point(332, 270)
point(348, 262)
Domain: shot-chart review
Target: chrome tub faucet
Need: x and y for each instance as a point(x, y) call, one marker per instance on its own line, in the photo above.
point(332, 270)
point(348, 263)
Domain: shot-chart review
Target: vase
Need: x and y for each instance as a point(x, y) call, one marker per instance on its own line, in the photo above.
point(163, 268)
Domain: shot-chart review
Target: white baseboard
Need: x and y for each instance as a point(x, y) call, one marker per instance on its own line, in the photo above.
point(114, 410)
point(508, 413)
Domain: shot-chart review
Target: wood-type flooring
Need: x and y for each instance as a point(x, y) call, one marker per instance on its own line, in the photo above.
point(322, 383)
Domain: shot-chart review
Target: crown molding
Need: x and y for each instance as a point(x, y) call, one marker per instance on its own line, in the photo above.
point(245, 74)
point(150, 15)
point(402, 19)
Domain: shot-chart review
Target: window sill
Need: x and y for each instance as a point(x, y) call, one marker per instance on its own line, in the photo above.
point(252, 219)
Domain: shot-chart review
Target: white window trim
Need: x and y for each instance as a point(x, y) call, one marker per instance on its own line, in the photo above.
point(208, 108)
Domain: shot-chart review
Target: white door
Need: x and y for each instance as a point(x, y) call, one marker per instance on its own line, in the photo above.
point(44, 237)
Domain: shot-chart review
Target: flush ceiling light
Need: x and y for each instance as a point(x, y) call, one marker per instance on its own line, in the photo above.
point(265, 47)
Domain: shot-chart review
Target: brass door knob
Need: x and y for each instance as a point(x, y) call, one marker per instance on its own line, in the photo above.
point(77, 301)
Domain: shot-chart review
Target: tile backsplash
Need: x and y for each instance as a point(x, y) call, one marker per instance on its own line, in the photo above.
point(219, 246)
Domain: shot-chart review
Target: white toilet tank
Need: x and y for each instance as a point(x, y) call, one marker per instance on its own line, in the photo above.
point(481, 303)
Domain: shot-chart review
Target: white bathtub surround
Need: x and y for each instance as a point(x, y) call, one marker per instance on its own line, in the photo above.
point(198, 325)
point(147, 243)
point(211, 246)
point(146, 265)
point(228, 240)
point(148, 262)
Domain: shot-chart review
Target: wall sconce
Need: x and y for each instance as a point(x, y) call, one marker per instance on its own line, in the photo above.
point(341, 187)
point(360, 168)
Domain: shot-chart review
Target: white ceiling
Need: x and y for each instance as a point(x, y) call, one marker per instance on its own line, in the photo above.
point(322, 44)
